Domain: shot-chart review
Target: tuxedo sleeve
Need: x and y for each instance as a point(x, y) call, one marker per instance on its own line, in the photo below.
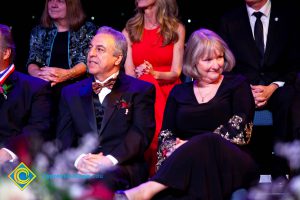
point(37, 120)
point(141, 132)
point(64, 130)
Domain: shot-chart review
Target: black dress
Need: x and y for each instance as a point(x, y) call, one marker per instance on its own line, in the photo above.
point(208, 166)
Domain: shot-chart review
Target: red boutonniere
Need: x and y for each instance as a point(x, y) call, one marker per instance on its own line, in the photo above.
point(4, 90)
point(122, 104)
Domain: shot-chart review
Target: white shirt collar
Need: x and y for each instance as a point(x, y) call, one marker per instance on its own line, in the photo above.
point(105, 91)
point(114, 75)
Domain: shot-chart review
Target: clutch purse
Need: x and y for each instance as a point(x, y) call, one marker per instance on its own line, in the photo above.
point(166, 145)
point(236, 130)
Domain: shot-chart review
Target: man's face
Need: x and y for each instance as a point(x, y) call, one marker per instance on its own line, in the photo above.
point(101, 60)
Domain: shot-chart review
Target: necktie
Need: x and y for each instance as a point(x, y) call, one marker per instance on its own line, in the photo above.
point(258, 33)
point(97, 87)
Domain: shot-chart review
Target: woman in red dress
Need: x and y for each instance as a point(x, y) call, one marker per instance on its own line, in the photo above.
point(155, 53)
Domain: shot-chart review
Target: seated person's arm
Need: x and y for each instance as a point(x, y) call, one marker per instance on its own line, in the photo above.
point(36, 125)
point(238, 129)
point(55, 74)
point(59, 75)
point(34, 70)
point(129, 66)
point(262, 93)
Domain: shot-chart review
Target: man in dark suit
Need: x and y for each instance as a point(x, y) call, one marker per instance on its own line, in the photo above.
point(296, 110)
point(25, 105)
point(120, 112)
point(265, 43)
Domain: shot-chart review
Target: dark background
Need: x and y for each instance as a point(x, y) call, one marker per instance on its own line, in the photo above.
point(23, 15)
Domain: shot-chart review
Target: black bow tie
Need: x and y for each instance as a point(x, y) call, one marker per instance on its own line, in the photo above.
point(97, 87)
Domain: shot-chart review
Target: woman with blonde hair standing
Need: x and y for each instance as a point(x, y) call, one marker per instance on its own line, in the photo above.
point(155, 51)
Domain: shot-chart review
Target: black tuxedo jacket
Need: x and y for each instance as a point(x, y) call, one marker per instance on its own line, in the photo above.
point(126, 130)
point(281, 58)
point(26, 113)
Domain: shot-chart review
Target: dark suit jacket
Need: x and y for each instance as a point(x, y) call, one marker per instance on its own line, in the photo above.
point(25, 114)
point(124, 134)
point(281, 58)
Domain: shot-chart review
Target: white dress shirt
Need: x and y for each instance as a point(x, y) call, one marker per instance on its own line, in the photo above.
point(265, 18)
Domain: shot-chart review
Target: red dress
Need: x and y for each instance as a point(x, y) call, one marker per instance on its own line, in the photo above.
point(150, 48)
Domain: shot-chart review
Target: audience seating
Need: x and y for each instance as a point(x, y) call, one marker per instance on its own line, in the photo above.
point(261, 144)
point(263, 118)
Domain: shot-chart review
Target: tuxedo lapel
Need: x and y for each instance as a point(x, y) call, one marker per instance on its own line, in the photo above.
point(109, 104)
point(87, 103)
point(110, 101)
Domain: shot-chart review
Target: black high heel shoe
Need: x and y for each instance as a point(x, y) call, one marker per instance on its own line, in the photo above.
point(120, 195)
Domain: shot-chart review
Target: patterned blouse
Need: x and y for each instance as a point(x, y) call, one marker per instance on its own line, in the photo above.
point(41, 44)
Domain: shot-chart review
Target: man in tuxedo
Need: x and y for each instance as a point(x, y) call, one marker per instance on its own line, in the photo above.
point(265, 43)
point(25, 105)
point(116, 108)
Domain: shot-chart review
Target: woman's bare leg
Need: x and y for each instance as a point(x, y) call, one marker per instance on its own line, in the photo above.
point(145, 191)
